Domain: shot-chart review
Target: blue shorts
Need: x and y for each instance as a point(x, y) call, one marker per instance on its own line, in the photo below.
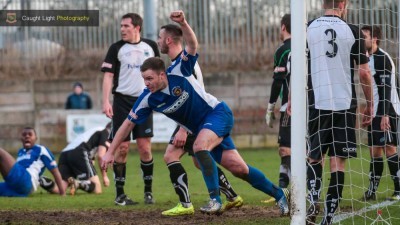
point(17, 183)
point(226, 144)
point(220, 120)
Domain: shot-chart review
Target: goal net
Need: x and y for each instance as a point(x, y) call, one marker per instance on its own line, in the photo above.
point(371, 187)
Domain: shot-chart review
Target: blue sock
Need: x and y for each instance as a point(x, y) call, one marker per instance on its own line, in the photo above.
point(258, 180)
point(210, 173)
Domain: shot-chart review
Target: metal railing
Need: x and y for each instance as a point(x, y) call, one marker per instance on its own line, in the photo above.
point(232, 33)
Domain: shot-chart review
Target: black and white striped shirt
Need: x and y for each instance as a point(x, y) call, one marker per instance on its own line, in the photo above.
point(334, 46)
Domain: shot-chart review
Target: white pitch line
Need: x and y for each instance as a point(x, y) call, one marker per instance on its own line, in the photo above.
point(340, 217)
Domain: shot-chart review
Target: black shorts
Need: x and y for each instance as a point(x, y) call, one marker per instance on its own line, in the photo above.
point(380, 138)
point(122, 105)
point(188, 144)
point(77, 164)
point(333, 130)
point(284, 130)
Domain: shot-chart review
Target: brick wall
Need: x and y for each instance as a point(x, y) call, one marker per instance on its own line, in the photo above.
point(40, 103)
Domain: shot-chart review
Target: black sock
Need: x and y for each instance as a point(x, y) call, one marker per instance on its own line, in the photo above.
point(284, 172)
point(314, 181)
point(119, 177)
point(393, 163)
point(333, 196)
point(375, 174)
point(179, 179)
point(147, 171)
point(47, 183)
point(86, 185)
point(224, 185)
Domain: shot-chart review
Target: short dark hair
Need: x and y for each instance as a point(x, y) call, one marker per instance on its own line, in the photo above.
point(286, 21)
point(375, 32)
point(153, 63)
point(175, 31)
point(30, 128)
point(333, 4)
point(136, 19)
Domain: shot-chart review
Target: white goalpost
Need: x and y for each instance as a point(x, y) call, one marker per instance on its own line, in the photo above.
point(298, 101)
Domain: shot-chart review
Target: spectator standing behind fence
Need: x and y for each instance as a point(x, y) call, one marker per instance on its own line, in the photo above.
point(78, 99)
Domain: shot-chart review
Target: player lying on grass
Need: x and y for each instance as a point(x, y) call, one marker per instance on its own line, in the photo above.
point(76, 162)
point(22, 175)
point(176, 93)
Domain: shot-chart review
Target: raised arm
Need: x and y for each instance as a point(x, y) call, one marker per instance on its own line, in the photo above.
point(188, 35)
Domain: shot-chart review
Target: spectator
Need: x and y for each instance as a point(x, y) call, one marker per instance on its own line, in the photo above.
point(78, 99)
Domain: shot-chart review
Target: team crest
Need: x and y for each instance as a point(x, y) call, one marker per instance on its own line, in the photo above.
point(177, 91)
point(146, 53)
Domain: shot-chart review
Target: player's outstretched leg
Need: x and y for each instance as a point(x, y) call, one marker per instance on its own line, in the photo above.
point(258, 180)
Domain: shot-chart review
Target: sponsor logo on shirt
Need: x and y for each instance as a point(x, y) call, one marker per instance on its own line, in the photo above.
point(133, 115)
point(177, 91)
point(279, 69)
point(106, 65)
point(178, 103)
point(349, 149)
point(146, 53)
point(132, 66)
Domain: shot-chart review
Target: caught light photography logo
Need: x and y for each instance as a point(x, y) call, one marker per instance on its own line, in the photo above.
point(49, 18)
point(11, 17)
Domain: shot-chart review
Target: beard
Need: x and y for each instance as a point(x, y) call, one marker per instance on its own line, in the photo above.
point(164, 49)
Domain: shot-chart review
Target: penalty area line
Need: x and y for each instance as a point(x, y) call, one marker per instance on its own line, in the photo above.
point(340, 217)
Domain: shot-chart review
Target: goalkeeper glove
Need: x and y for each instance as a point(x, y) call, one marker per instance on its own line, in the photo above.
point(269, 115)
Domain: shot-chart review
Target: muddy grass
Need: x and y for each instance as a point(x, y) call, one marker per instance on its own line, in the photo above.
point(127, 216)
